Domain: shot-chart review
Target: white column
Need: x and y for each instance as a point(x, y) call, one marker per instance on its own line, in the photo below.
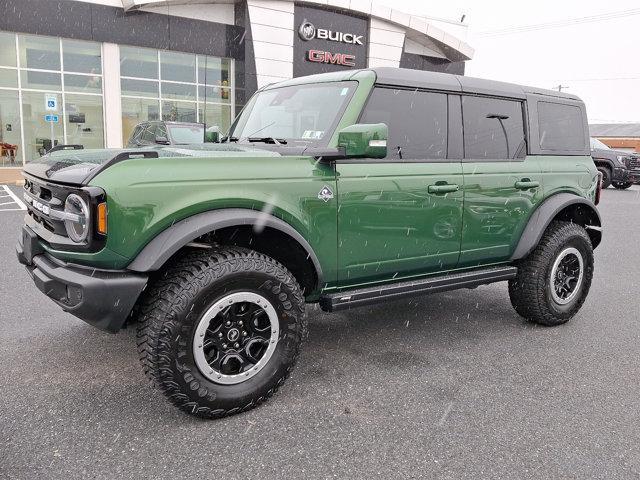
point(272, 31)
point(112, 101)
point(386, 41)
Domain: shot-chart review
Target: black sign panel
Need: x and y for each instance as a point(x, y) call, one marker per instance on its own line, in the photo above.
point(328, 41)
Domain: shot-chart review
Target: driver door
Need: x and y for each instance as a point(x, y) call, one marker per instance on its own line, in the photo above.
point(401, 216)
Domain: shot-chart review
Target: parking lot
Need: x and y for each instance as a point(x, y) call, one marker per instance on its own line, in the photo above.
point(454, 385)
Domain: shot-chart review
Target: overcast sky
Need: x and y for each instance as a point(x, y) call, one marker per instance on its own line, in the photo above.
point(597, 60)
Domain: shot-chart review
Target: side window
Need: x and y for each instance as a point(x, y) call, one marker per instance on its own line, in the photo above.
point(417, 122)
point(493, 128)
point(561, 127)
point(149, 134)
point(161, 131)
point(135, 134)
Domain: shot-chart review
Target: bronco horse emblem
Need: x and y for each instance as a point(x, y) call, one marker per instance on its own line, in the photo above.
point(325, 194)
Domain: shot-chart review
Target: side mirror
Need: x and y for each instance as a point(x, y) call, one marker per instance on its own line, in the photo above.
point(212, 135)
point(364, 140)
point(162, 140)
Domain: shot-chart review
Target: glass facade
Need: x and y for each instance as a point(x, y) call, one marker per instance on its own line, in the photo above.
point(174, 86)
point(52, 91)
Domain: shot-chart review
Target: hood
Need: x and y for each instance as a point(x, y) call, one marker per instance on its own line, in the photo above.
point(77, 167)
point(610, 154)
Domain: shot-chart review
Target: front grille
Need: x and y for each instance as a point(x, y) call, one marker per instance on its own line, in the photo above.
point(633, 163)
point(42, 198)
point(45, 207)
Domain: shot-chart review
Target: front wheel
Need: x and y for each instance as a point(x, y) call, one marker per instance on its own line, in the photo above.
point(553, 281)
point(606, 176)
point(220, 330)
point(622, 186)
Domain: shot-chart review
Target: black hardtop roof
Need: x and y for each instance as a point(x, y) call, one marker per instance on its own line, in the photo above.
point(445, 81)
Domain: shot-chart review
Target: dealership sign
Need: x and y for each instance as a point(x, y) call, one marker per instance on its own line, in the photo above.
point(308, 31)
point(320, 56)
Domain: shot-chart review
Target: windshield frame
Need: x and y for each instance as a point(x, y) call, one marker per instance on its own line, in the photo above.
point(330, 131)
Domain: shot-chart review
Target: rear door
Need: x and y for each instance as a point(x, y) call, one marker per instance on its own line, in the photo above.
point(502, 185)
point(402, 215)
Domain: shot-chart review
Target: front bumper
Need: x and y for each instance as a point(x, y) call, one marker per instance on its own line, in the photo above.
point(102, 298)
point(634, 176)
point(620, 175)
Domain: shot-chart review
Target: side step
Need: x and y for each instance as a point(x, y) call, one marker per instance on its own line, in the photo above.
point(333, 302)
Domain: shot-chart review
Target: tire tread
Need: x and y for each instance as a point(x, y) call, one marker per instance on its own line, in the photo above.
point(170, 293)
point(527, 291)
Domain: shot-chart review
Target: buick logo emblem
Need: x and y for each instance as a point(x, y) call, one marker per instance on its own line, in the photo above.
point(306, 31)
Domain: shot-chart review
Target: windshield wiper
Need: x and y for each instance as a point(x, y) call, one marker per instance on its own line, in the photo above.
point(276, 141)
point(229, 139)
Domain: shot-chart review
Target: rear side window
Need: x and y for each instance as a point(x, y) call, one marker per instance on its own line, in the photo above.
point(561, 127)
point(493, 128)
point(135, 136)
point(161, 131)
point(417, 122)
point(149, 134)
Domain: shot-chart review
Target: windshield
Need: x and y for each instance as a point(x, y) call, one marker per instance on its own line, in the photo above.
point(305, 113)
point(595, 143)
point(185, 134)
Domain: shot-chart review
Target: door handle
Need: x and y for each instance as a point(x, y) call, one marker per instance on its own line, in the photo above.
point(526, 184)
point(445, 188)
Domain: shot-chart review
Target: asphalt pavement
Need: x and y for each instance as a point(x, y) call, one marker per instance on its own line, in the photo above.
point(452, 385)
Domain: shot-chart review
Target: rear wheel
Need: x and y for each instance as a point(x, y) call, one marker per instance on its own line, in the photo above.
point(553, 281)
point(220, 331)
point(606, 176)
point(622, 186)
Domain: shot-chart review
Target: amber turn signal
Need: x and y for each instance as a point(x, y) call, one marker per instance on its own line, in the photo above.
point(102, 218)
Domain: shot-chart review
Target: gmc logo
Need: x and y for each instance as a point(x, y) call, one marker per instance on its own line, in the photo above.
point(320, 56)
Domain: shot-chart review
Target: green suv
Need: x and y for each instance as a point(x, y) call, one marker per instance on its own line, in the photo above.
point(342, 189)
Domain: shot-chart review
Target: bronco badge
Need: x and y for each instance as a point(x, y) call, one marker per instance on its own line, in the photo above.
point(325, 194)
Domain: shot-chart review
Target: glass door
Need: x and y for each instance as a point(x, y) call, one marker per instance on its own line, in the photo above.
point(10, 156)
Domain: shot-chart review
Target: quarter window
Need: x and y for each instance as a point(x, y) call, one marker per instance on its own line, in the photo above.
point(561, 127)
point(493, 128)
point(417, 122)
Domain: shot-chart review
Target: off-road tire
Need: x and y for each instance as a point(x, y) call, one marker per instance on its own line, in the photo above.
point(606, 176)
point(172, 306)
point(530, 291)
point(622, 186)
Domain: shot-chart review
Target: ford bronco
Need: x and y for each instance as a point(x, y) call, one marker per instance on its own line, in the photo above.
point(342, 189)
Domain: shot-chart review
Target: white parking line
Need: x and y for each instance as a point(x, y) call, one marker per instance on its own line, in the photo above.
point(9, 201)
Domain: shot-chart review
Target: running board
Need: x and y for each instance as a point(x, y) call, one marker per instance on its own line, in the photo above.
point(333, 302)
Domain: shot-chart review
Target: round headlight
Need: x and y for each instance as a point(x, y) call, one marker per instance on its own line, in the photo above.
point(77, 223)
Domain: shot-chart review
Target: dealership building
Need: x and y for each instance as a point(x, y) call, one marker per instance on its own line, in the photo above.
point(87, 71)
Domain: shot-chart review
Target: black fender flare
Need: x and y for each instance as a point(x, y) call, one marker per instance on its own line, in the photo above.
point(546, 212)
point(172, 239)
point(607, 161)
